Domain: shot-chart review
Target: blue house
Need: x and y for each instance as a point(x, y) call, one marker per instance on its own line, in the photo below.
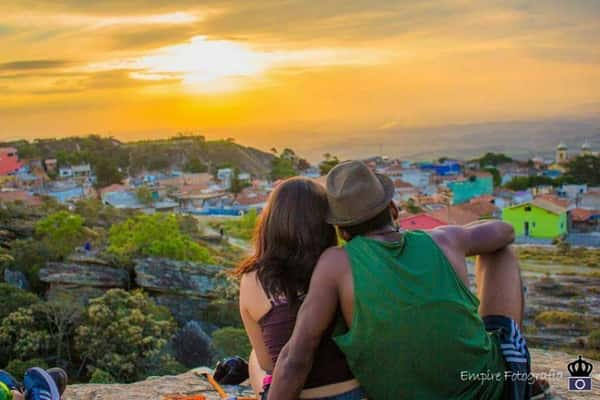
point(473, 186)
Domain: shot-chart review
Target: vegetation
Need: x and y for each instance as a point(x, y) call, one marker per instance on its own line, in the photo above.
point(495, 175)
point(231, 341)
point(559, 318)
point(585, 169)
point(61, 232)
point(124, 334)
point(13, 298)
point(242, 228)
point(284, 165)
point(156, 235)
point(561, 255)
point(594, 339)
point(328, 163)
point(493, 159)
point(236, 184)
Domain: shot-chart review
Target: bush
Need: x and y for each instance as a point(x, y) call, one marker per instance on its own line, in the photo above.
point(102, 377)
point(122, 331)
point(156, 235)
point(242, 227)
point(231, 342)
point(559, 318)
point(29, 256)
point(43, 330)
point(594, 339)
point(12, 298)
point(17, 368)
point(62, 232)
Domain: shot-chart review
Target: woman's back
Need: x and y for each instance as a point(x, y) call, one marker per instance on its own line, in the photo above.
point(275, 320)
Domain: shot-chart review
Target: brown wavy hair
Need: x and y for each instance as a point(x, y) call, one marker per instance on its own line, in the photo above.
point(289, 238)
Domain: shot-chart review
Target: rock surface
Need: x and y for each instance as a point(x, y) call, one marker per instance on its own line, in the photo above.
point(82, 280)
point(185, 288)
point(16, 279)
point(550, 365)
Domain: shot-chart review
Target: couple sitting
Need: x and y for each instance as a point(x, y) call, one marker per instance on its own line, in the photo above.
point(387, 316)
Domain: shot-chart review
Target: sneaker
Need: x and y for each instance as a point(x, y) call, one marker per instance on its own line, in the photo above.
point(9, 381)
point(60, 377)
point(39, 385)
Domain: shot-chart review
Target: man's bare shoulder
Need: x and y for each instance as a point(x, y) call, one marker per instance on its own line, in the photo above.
point(333, 261)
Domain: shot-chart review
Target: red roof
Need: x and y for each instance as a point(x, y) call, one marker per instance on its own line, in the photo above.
point(421, 222)
point(582, 214)
point(457, 215)
point(399, 184)
point(9, 161)
point(247, 198)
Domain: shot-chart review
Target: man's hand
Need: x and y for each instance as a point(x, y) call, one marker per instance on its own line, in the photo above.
point(314, 317)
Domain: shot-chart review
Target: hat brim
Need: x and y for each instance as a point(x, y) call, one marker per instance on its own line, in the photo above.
point(389, 190)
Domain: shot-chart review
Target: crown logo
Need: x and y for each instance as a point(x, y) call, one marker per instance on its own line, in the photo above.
point(580, 367)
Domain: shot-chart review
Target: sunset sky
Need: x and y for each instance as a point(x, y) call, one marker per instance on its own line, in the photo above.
point(283, 72)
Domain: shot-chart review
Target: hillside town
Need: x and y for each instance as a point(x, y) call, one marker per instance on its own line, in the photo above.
point(431, 194)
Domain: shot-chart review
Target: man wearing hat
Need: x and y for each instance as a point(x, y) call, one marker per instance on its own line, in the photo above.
point(415, 330)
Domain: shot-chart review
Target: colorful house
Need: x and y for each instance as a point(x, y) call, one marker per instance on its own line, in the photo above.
point(538, 219)
point(471, 187)
point(9, 161)
point(420, 222)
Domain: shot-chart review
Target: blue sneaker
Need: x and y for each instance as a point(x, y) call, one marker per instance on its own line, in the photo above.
point(9, 380)
point(39, 385)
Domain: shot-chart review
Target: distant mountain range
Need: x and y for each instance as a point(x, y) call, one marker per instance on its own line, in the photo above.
point(519, 139)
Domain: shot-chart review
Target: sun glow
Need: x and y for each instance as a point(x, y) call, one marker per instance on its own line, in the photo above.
point(204, 65)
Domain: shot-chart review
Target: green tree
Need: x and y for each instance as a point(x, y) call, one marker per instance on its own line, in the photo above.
point(144, 195)
point(14, 298)
point(195, 165)
point(284, 165)
point(493, 159)
point(328, 163)
point(44, 329)
point(157, 235)
point(585, 169)
point(121, 332)
point(29, 256)
point(231, 342)
point(495, 175)
point(107, 172)
point(61, 232)
point(236, 184)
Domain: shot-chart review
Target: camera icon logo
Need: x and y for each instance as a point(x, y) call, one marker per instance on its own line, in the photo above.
point(580, 379)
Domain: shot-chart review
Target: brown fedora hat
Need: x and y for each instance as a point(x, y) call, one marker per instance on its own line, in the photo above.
point(356, 194)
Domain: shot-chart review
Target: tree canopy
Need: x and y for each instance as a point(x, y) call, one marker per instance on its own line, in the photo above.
point(157, 235)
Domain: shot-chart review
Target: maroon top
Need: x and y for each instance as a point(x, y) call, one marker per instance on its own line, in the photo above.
point(330, 363)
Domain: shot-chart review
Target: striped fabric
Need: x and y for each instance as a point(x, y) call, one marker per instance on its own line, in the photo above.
point(515, 350)
point(515, 353)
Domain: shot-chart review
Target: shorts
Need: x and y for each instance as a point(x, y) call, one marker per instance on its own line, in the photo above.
point(516, 355)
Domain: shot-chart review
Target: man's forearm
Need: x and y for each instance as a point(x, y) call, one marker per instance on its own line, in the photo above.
point(489, 237)
point(290, 374)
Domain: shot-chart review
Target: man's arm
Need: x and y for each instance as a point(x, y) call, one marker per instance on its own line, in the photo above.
point(314, 317)
point(480, 237)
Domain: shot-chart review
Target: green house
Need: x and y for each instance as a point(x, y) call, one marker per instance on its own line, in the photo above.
point(537, 219)
point(474, 186)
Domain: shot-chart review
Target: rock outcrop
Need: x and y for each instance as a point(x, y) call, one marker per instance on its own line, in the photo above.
point(548, 364)
point(82, 279)
point(185, 288)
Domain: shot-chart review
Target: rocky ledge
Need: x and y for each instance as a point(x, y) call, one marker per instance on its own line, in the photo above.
point(551, 365)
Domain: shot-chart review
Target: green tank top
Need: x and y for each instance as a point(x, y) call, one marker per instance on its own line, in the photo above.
point(416, 333)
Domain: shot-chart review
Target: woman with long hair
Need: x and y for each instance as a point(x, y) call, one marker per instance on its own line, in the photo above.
point(289, 239)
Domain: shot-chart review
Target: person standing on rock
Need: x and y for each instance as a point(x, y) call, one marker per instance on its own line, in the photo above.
point(415, 330)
